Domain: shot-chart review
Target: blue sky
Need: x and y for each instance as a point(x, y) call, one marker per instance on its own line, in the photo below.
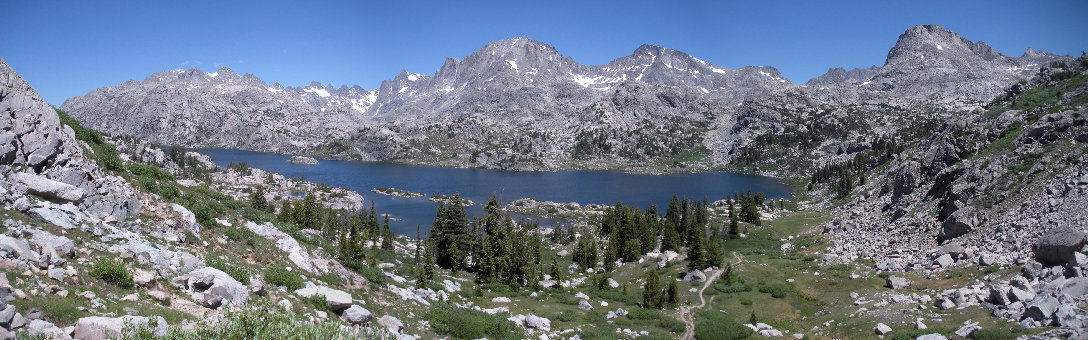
point(68, 48)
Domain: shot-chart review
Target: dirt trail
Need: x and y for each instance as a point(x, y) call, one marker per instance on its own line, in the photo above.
point(686, 313)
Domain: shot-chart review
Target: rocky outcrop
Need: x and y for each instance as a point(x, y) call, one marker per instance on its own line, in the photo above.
point(40, 156)
point(295, 251)
point(102, 328)
point(337, 299)
point(214, 285)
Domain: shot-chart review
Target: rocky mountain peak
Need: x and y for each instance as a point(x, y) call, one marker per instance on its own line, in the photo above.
point(841, 75)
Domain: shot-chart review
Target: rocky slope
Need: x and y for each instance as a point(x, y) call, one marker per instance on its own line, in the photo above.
point(40, 156)
point(520, 104)
point(1007, 185)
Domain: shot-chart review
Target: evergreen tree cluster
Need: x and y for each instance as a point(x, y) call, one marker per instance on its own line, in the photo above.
point(630, 231)
point(842, 178)
point(494, 247)
point(351, 231)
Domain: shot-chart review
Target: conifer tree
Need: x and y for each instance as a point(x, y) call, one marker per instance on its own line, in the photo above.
point(696, 251)
point(258, 201)
point(673, 293)
point(651, 292)
point(555, 272)
point(585, 252)
point(387, 235)
point(418, 242)
point(671, 238)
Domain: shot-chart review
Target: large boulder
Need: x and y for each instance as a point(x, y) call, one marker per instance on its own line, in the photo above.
point(536, 322)
point(391, 322)
point(960, 222)
point(1042, 308)
point(46, 330)
point(47, 188)
point(695, 276)
point(42, 239)
point(215, 282)
point(896, 282)
point(337, 299)
point(18, 247)
point(1056, 247)
point(356, 315)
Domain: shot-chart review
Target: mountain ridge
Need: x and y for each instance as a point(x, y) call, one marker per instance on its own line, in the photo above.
point(520, 86)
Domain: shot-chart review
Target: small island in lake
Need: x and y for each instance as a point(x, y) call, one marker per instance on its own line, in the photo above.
point(397, 192)
point(302, 160)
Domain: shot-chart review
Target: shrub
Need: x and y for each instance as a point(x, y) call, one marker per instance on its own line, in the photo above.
point(112, 271)
point(261, 320)
point(777, 290)
point(463, 323)
point(374, 275)
point(736, 287)
point(719, 326)
point(279, 276)
point(149, 171)
point(671, 324)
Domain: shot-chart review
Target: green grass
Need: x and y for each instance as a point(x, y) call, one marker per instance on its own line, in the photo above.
point(461, 323)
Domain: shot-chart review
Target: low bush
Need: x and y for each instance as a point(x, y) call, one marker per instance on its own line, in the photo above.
point(718, 326)
point(112, 271)
point(373, 275)
point(671, 324)
point(261, 320)
point(149, 171)
point(736, 287)
point(277, 276)
point(777, 290)
point(463, 323)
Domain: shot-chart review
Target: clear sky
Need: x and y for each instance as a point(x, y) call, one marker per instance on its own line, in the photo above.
point(68, 48)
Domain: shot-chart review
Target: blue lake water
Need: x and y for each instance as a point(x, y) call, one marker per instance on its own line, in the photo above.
point(583, 187)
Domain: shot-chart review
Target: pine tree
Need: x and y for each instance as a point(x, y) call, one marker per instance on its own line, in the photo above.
point(257, 200)
point(728, 275)
point(715, 252)
point(286, 212)
point(673, 293)
point(651, 292)
point(387, 235)
point(418, 241)
point(555, 272)
point(671, 238)
point(428, 269)
point(696, 253)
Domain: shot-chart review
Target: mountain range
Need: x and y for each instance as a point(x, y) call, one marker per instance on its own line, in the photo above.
point(520, 104)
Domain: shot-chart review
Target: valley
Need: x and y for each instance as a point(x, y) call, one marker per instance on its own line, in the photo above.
point(942, 195)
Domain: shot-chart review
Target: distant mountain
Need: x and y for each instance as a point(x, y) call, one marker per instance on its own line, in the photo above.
point(468, 112)
point(928, 60)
